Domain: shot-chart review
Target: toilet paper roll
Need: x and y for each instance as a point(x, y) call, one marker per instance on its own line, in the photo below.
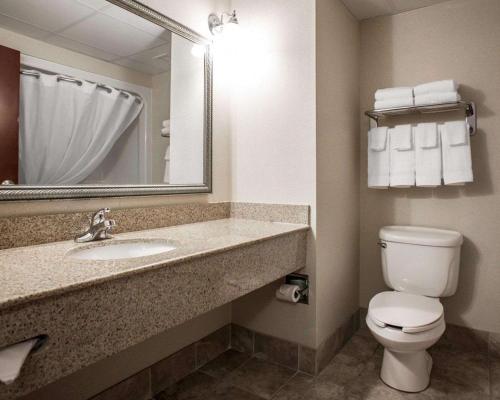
point(290, 293)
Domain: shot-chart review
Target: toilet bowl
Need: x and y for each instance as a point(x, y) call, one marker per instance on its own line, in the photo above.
point(406, 325)
point(421, 265)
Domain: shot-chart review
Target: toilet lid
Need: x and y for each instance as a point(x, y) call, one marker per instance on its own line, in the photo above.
point(411, 312)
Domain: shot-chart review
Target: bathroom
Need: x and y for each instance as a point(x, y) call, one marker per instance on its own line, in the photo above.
point(271, 189)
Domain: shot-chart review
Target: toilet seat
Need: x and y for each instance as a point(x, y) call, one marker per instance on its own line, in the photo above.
point(409, 312)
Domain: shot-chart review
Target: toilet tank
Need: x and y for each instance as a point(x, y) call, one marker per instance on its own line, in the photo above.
point(420, 260)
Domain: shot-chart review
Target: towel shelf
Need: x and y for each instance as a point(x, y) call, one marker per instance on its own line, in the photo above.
point(468, 107)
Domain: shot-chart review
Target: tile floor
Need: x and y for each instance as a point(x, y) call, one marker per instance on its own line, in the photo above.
point(351, 375)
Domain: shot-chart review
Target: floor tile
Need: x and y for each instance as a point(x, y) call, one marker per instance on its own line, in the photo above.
point(242, 339)
point(213, 345)
point(303, 386)
point(199, 386)
point(463, 371)
point(276, 350)
point(495, 379)
point(260, 377)
point(225, 363)
point(170, 370)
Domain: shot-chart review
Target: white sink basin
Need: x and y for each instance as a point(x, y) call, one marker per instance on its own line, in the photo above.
point(121, 249)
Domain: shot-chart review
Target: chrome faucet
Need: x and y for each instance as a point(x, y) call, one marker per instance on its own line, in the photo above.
point(99, 227)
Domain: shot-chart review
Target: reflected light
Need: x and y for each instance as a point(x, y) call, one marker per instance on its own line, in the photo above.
point(198, 51)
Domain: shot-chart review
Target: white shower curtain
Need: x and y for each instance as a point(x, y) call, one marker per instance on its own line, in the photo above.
point(66, 129)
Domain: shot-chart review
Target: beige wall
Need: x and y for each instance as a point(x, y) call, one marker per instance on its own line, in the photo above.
point(460, 40)
point(273, 139)
point(337, 166)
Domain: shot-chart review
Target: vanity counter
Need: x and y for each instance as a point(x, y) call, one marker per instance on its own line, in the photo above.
point(92, 309)
point(35, 272)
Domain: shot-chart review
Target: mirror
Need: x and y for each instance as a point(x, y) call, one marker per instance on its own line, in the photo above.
point(101, 98)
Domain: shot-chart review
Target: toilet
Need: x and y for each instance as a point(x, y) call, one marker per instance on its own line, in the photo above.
point(420, 265)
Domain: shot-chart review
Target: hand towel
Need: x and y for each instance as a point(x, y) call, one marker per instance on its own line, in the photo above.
point(378, 158)
point(393, 93)
point(12, 359)
point(428, 170)
point(166, 172)
point(394, 103)
point(448, 85)
point(437, 98)
point(402, 156)
point(457, 163)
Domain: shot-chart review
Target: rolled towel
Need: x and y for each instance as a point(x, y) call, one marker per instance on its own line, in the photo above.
point(378, 158)
point(402, 156)
point(448, 85)
point(428, 170)
point(394, 103)
point(457, 163)
point(393, 93)
point(437, 98)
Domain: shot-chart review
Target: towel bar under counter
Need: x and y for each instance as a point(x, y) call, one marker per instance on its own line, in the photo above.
point(468, 107)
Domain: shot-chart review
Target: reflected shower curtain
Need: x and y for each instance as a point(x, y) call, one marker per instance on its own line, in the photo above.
point(66, 129)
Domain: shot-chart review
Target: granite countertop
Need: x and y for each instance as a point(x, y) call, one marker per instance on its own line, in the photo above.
point(34, 272)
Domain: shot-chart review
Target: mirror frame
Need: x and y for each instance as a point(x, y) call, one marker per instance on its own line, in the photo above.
point(20, 192)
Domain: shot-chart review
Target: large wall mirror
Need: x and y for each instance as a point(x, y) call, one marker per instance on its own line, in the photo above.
point(101, 98)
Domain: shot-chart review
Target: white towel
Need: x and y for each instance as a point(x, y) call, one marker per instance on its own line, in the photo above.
point(457, 163)
point(378, 158)
point(402, 157)
point(437, 98)
point(166, 173)
point(165, 123)
point(395, 92)
point(436, 86)
point(394, 103)
point(428, 170)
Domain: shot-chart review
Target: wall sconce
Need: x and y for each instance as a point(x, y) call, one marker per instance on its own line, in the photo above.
point(224, 23)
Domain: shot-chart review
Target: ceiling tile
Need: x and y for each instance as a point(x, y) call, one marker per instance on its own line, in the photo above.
point(145, 68)
point(363, 9)
point(80, 48)
point(110, 35)
point(407, 5)
point(49, 15)
point(136, 21)
point(95, 4)
point(22, 28)
point(158, 56)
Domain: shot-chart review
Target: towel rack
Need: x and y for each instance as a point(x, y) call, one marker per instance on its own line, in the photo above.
point(468, 107)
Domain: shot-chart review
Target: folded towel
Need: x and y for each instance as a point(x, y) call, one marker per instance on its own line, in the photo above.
point(165, 132)
point(437, 98)
point(165, 123)
point(402, 138)
point(436, 86)
point(393, 93)
point(428, 170)
point(394, 103)
point(402, 156)
point(457, 163)
point(378, 158)
point(377, 138)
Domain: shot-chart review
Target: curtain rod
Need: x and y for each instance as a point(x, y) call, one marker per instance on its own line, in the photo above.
point(79, 82)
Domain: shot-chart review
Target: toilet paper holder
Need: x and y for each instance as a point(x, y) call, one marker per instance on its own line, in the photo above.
point(302, 281)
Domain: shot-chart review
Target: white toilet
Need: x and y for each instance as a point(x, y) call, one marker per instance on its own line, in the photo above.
point(421, 265)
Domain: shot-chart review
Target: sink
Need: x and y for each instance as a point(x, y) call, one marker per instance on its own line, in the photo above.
point(121, 249)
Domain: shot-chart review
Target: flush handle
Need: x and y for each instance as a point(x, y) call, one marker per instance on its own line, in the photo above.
point(382, 244)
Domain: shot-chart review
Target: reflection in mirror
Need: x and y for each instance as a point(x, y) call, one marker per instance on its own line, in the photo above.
point(105, 97)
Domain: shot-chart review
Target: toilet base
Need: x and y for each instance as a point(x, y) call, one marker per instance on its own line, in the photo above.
point(409, 372)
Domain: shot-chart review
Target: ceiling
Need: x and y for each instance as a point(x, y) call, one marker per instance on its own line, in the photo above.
point(93, 27)
point(363, 9)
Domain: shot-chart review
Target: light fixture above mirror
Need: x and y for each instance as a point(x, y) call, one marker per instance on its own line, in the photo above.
point(219, 25)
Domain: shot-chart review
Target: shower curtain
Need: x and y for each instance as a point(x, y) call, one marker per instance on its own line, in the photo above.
point(67, 129)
